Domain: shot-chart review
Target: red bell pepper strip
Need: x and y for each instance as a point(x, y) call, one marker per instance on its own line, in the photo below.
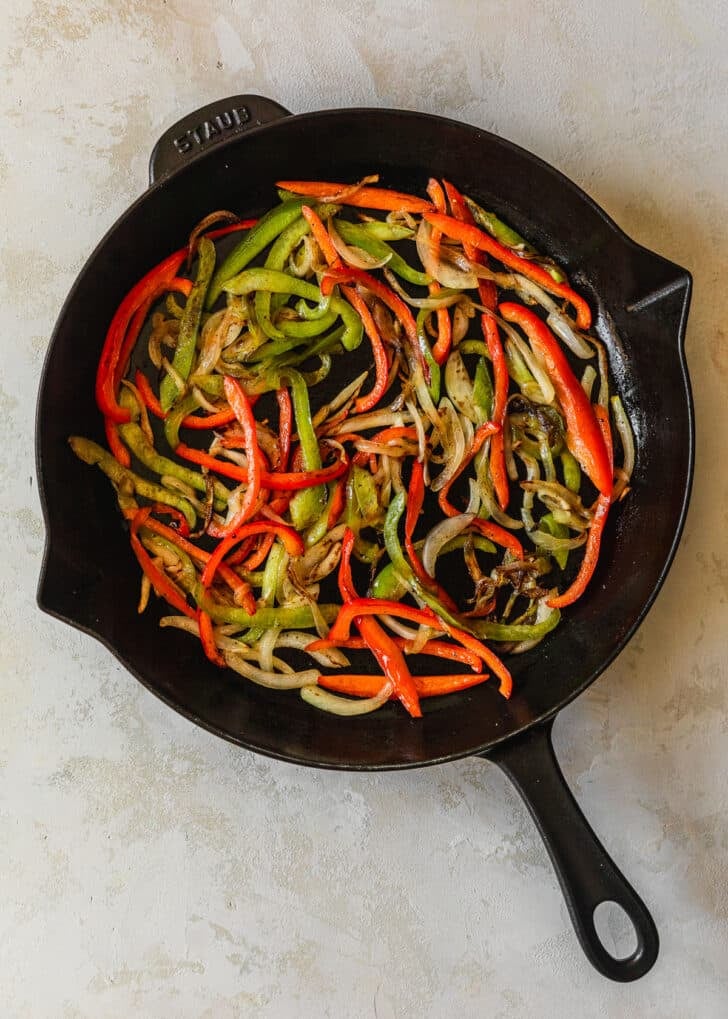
point(239, 403)
point(392, 433)
point(347, 274)
point(499, 535)
point(321, 235)
point(591, 556)
point(388, 655)
point(583, 434)
point(106, 376)
point(602, 416)
point(338, 503)
point(285, 427)
point(241, 588)
point(426, 686)
point(198, 422)
point(222, 231)
point(488, 298)
point(443, 344)
point(363, 197)
point(436, 648)
point(381, 364)
point(275, 480)
point(594, 537)
point(207, 636)
point(118, 450)
point(415, 499)
point(161, 583)
point(182, 527)
point(465, 232)
point(291, 540)
point(482, 432)
point(382, 606)
point(260, 555)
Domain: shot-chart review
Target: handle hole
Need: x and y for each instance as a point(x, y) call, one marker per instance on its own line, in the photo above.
point(615, 930)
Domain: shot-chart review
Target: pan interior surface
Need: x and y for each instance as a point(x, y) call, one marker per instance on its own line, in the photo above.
point(90, 577)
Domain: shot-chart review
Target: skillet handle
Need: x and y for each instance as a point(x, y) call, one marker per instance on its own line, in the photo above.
point(213, 124)
point(586, 874)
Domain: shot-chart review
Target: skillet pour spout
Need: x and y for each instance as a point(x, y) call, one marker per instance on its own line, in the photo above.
point(228, 155)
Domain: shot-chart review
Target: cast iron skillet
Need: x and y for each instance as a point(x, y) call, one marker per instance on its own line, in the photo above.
point(227, 156)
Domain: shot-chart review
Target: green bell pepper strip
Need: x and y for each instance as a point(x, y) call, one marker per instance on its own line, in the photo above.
point(293, 617)
point(256, 240)
point(308, 328)
point(174, 419)
point(483, 390)
point(357, 234)
point(143, 450)
point(277, 258)
point(276, 282)
point(325, 345)
point(307, 504)
point(188, 577)
point(552, 526)
point(488, 630)
point(434, 387)
point(364, 491)
point(479, 542)
point(124, 479)
point(473, 347)
point(383, 231)
point(403, 568)
point(271, 575)
point(388, 584)
point(189, 326)
point(310, 314)
point(508, 236)
point(571, 470)
point(313, 378)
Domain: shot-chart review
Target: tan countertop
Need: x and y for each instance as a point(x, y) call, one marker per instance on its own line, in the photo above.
point(147, 868)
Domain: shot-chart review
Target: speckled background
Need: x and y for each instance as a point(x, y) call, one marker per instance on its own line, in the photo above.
point(148, 869)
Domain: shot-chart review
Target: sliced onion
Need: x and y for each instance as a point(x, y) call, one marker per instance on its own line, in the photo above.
point(265, 647)
point(378, 419)
point(299, 641)
point(220, 330)
point(489, 502)
point(272, 680)
point(542, 613)
point(446, 275)
point(354, 255)
point(440, 535)
point(533, 474)
point(335, 705)
point(535, 366)
point(550, 543)
point(626, 436)
point(187, 491)
point(421, 437)
point(565, 332)
point(453, 444)
point(588, 379)
point(301, 263)
point(442, 300)
point(461, 320)
point(474, 497)
point(460, 387)
point(402, 630)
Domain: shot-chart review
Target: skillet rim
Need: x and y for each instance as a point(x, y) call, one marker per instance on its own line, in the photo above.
point(682, 282)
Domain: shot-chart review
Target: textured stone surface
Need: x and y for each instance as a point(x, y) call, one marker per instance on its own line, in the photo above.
point(148, 869)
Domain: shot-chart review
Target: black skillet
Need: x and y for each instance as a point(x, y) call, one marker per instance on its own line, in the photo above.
point(227, 156)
